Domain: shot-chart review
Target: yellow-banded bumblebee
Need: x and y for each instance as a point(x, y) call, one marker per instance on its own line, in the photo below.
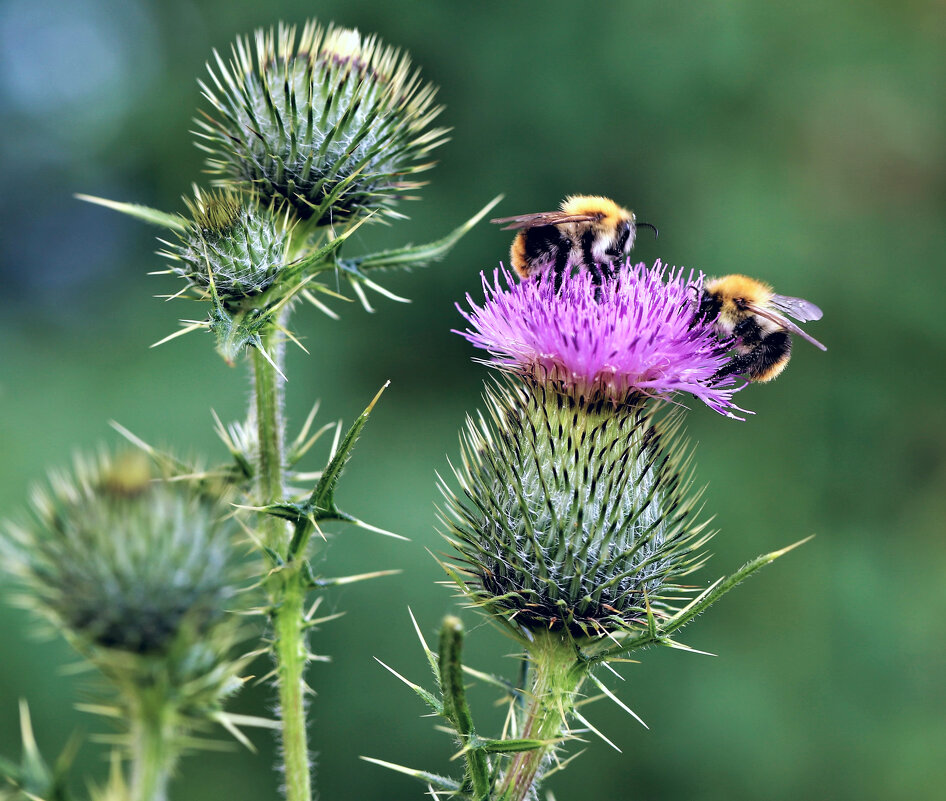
point(588, 231)
point(748, 312)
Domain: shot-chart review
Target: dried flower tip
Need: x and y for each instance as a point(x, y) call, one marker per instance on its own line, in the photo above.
point(230, 243)
point(573, 513)
point(633, 335)
point(334, 124)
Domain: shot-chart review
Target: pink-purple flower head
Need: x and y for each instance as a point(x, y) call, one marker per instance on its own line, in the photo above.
point(633, 334)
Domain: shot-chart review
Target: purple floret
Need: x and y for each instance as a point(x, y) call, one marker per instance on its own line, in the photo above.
point(633, 334)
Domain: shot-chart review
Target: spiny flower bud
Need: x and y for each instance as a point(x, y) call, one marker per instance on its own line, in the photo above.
point(231, 243)
point(574, 512)
point(333, 124)
point(123, 562)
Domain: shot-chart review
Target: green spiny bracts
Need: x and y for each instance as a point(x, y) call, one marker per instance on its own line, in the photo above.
point(576, 513)
point(33, 778)
point(334, 124)
point(142, 577)
point(232, 244)
point(124, 562)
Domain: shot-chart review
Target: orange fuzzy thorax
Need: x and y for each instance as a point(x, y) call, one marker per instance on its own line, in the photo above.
point(611, 213)
point(742, 287)
point(734, 291)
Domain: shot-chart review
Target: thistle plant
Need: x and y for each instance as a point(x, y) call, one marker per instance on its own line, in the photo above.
point(334, 124)
point(576, 526)
point(142, 576)
point(307, 138)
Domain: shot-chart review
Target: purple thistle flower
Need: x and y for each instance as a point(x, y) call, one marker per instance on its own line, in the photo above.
point(633, 334)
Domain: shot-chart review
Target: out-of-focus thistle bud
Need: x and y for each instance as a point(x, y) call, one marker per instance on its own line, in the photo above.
point(335, 123)
point(231, 243)
point(139, 573)
point(576, 508)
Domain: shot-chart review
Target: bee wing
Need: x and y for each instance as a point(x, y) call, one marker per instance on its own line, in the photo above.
point(784, 322)
point(798, 308)
point(540, 219)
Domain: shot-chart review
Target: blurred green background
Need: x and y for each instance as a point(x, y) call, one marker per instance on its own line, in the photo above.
point(802, 143)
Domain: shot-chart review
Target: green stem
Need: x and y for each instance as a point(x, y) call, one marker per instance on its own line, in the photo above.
point(557, 678)
point(152, 756)
point(268, 389)
point(291, 657)
point(286, 585)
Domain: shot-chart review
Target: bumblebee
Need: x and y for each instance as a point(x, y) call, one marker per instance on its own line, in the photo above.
point(748, 312)
point(589, 231)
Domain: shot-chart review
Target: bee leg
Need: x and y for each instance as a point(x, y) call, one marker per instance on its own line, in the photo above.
point(559, 267)
point(741, 364)
point(763, 361)
point(604, 272)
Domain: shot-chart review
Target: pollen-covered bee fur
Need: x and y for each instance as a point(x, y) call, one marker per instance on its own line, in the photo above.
point(748, 313)
point(587, 232)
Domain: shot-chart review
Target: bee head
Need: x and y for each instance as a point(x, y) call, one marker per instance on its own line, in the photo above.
point(708, 304)
point(625, 236)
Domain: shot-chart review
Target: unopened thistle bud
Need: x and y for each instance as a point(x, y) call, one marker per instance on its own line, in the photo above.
point(123, 562)
point(577, 510)
point(141, 576)
point(230, 243)
point(577, 513)
point(334, 124)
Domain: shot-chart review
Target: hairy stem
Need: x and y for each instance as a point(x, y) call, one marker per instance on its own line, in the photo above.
point(286, 585)
point(268, 390)
point(152, 755)
point(557, 678)
point(291, 656)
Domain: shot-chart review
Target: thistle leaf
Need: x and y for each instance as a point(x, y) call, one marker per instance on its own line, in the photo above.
point(427, 697)
point(440, 782)
point(419, 255)
point(149, 215)
point(320, 505)
point(512, 746)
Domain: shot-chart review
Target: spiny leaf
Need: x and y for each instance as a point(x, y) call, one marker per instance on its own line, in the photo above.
point(340, 581)
point(660, 632)
point(513, 746)
point(321, 503)
point(149, 215)
point(432, 658)
point(440, 782)
point(419, 255)
point(427, 697)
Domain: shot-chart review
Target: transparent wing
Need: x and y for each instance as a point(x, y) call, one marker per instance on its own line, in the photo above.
point(798, 308)
point(784, 322)
point(540, 219)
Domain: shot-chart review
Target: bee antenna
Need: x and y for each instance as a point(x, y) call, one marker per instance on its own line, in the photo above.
point(649, 225)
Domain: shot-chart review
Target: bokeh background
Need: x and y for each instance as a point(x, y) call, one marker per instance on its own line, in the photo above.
point(802, 143)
